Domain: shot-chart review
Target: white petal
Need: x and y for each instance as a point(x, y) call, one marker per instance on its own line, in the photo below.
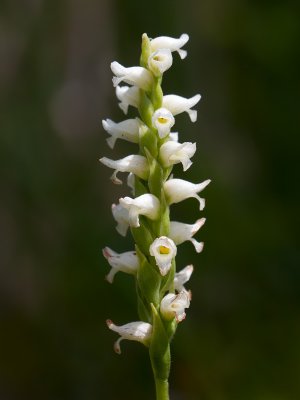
point(174, 305)
point(137, 76)
point(121, 216)
point(128, 96)
point(165, 42)
point(126, 262)
point(146, 204)
point(134, 163)
point(182, 277)
point(127, 130)
point(138, 331)
point(181, 232)
point(177, 104)
point(173, 153)
point(177, 190)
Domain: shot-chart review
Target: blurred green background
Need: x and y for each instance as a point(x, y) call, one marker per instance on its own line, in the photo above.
point(241, 338)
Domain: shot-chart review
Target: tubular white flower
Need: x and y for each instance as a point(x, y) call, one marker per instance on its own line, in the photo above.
point(146, 204)
point(137, 76)
point(180, 232)
point(160, 61)
point(121, 216)
point(177, 104)
point(165, 42)
point(127, 130)
point(173, 306)
point(173, 153)
point(177, 190)
point(134, 163)
point(128, 96)
point(126, 262)
point(182, 277)
point(138, 331)
point(163, 121)
point(164, 250)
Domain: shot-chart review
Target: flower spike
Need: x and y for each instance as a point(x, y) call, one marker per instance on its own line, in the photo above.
point(139, 331)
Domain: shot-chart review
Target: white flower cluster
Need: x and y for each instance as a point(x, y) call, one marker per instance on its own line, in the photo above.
point(128, 211)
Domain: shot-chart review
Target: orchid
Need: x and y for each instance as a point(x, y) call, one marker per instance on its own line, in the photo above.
point(161, 294)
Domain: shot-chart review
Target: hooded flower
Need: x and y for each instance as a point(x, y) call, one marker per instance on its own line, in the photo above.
point(126, 262)
point(173, 153)
point(174, 305)
point(127, 130)
point(134, 163)
point(165, 42)
point(121, 216)
point(146, 204)
point(177, 190)
point(163, 249)
point(139, 331)
point(182, 277)
point(163, 121)
point(160, 61)
point(180, 232)
point(137, 76)
point(128, 96)
point(177, 105)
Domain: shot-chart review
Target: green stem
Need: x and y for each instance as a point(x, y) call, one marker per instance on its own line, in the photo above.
point(162, 389)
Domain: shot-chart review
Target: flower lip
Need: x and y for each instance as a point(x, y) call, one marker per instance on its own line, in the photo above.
point(163, 249)
point(163, 121)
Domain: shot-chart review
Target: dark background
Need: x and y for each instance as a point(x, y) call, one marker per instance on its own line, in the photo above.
point(240, 340)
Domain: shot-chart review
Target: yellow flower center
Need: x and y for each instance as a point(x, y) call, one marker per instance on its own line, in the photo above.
point(162, 120)
point(164, 250)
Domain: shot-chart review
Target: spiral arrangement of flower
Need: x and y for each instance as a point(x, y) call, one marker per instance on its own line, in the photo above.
point(161, 295)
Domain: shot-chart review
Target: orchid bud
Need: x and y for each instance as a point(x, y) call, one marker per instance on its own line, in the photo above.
point(182, 277)
point(177, 105)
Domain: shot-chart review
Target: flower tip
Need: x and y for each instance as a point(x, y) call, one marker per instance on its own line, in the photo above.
point(109, 323)
point(185, 38)
point(117, 348)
